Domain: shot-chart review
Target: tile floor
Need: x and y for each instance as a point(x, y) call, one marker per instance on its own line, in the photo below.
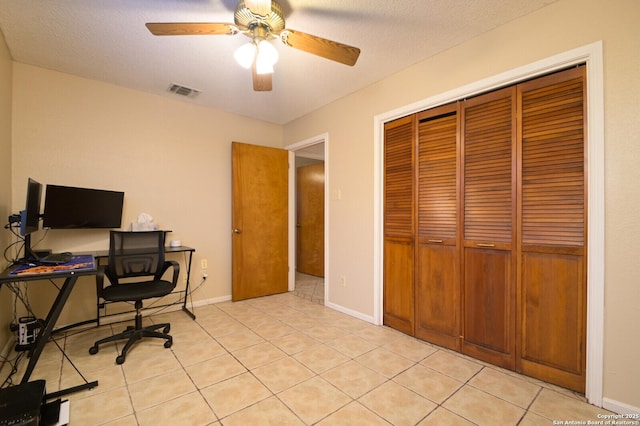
point(285, 360)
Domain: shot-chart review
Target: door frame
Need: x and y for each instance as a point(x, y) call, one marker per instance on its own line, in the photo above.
point(292, 148)
point(592, 55)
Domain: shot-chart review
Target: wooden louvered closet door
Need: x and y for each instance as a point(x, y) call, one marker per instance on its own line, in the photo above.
point(489, 290)
point(552, 278)
point(399, 225)
point(437, 284)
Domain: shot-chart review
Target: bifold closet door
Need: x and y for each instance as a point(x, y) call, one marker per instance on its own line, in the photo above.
point(399, 225)
point(437, 285)
point(489, 207)
point(552, 279)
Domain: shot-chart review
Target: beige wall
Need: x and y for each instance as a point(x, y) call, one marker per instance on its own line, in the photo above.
point(5, 179)
point(171, 158)
point(560, 27)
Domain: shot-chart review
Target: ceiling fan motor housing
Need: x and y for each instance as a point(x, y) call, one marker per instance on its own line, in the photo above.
point(245, 19)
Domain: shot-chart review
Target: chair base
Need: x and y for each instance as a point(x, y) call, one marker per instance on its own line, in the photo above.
point(133, 334)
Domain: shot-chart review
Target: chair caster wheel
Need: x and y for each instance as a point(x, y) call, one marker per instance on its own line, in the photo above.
point(120, 359)
point(168, 344)
point(93, 350)
point(167, 329)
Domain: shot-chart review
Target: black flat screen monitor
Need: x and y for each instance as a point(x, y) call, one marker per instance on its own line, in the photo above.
point(30, 216)
point(67, 207)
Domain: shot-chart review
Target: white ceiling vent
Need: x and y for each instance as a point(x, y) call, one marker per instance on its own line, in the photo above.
point(183, 90)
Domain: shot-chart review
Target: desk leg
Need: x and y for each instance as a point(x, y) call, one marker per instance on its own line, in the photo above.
point(50, 322)
point(186, 289)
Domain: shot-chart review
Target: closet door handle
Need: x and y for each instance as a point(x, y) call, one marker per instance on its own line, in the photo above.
point(485, 245)
point(434, 241)
point(237, 231)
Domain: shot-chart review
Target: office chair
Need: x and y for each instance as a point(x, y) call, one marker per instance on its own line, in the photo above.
point(133, 255)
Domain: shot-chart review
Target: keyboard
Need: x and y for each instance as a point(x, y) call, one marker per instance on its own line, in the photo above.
point(56, 258)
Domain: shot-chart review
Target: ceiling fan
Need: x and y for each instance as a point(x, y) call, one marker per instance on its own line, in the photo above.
point(261, 21)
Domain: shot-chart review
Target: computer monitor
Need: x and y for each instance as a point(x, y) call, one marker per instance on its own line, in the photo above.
point(30, 216)
point(67, 207)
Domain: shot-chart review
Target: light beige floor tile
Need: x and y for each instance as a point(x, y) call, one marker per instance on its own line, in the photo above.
point(124, 421)
point(242, 339)
point(159, 389)
point(282, 374)
point(452, 365)
point(235, 394)
point(273, 329)
point(351, 345)
point(320, 358)
point(324, 333)
point(443, 417)
point(353, 414)
point(108, 378)
point(509, 388)
point(378, 335)
point(354, 378)
point(385, 362)
point(193, 352)
point(314, 399)
point(271, 411)
point(147, 364)
point(397, 404)
point(215, 370)
point(555, 406)
point(532, 419)
point(429, 383)
point(100, 408)
point(257, 355)
point(294, 343)
point(483, 409)
point(190, 409)
point(221, 327)
point(410, 348)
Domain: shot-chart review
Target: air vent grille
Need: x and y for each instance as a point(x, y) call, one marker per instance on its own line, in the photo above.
point(183, 90)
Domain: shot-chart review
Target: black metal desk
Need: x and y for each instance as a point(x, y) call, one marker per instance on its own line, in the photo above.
point(70, 277)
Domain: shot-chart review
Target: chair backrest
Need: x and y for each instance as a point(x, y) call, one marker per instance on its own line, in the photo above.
point(135, 254)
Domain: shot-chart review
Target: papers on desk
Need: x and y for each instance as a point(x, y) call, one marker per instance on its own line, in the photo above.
point(83, 262)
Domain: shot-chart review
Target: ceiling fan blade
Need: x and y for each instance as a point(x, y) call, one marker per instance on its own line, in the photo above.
point(191, 28)
point(261, 82)
point(328, 49)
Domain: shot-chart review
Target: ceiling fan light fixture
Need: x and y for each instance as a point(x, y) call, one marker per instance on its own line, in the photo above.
point(245, 54)
point(266, 52)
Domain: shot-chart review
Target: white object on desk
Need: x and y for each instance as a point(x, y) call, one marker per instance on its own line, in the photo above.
point(175, 243)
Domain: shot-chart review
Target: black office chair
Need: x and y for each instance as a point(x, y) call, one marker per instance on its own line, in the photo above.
point(133, 255)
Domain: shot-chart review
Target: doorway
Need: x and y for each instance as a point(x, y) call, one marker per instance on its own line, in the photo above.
point(308, 219)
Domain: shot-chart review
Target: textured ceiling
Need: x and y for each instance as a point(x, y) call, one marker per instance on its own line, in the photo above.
point(107, 40)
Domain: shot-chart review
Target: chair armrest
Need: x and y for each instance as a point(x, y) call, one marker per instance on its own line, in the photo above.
point(100, 280)
point(176, 270)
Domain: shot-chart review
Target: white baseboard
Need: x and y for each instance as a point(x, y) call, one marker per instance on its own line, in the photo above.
point(619, 407)
point(350, 312)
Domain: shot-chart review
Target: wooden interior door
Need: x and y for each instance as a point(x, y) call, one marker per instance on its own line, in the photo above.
point(399, 231)
point(310, 219)
point(437, 286)
point(489, 229)
point(553, 286)
point(259, 221)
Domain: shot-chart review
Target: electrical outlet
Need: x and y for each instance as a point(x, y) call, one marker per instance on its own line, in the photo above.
point(203, 264)
point(343, 281)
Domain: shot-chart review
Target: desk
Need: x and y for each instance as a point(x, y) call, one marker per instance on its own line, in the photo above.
point(70, 277)
point(103, 255)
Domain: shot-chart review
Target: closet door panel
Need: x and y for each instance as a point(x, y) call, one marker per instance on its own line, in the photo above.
point(399, 244)
point(489, 287)
point(437, 276)
point(552, 277)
